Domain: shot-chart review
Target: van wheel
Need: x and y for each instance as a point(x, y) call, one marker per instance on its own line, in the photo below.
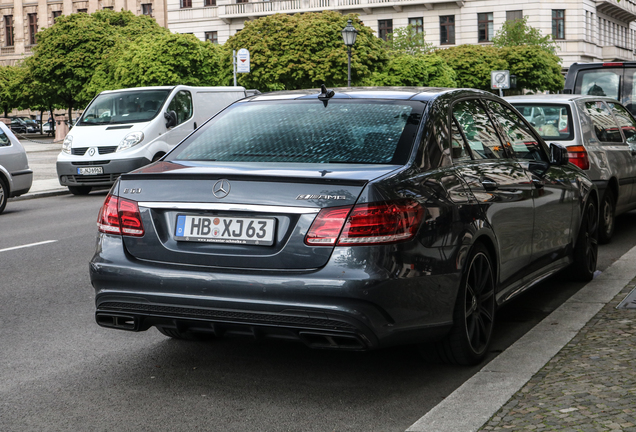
point(608, 210)
point(4, 194)
point(473, 318)
point(80, 190)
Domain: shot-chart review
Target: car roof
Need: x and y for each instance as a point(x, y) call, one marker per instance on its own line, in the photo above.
point(388, 93)
point(555, 98)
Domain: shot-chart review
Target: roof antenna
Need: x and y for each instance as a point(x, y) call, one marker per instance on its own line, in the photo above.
point(325, 94)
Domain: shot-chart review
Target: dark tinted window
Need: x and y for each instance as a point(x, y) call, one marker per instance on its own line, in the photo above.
point(478, 130)
point(182, 105)
point(307, 131)
point(605, 126)
point(552, 121)
point(523, 143)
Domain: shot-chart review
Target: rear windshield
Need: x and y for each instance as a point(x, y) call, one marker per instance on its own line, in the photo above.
point(552, 121)
point(307, 131)
point(599, 82)
point(124, 107)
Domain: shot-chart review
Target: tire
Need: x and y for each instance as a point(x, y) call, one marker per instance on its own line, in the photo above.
point(586, 248)
point(158, 156)
point(187, 335)
point(4, 194)
point(473, 316)
point(80, 190)
point(608, 215)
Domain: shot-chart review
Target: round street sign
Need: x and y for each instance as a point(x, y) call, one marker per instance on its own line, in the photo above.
point(500, 79)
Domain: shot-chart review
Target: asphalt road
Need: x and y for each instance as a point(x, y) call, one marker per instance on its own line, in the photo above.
point(61, 372)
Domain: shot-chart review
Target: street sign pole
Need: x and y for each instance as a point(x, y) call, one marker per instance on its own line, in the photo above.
point(234, 65)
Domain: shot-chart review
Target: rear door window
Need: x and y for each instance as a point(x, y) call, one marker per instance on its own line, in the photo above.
point(603, 82)
point(519, 138)
point(459, 146)
point(625, 121)
point(478, 129)
point(605, 126)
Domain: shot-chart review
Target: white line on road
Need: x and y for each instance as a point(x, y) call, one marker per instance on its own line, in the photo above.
point(27, 245)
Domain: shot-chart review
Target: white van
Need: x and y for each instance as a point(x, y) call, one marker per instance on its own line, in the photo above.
point(122, 130)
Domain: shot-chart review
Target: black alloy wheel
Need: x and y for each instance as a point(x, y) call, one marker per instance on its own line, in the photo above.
point(4, 195)
point(586, 249)
point(606, 228)
point(473, 317)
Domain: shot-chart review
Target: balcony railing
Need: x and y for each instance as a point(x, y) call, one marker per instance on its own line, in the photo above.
point(193, 14)
point(7, 50)
point(261, 8)
point(623, 10)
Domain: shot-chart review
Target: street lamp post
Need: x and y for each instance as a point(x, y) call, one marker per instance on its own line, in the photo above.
point(349, 34)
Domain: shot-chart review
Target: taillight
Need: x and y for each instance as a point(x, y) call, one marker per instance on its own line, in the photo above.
point(578, 156)
point(366, 224)
point(120, 216)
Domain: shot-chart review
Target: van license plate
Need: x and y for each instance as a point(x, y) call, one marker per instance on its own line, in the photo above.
point(90, 170)
point(217, 229)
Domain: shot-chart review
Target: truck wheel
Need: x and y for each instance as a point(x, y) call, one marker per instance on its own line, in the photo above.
point(80, 190)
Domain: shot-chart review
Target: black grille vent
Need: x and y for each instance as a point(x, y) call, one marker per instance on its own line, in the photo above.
point(244, 317)
point(86, 179)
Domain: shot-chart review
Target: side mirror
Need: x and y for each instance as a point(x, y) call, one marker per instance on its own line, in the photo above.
point(558, 154)
point(171, 119)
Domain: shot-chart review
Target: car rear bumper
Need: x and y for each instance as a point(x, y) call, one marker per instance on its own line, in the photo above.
point(311, 306)
point(68, 174)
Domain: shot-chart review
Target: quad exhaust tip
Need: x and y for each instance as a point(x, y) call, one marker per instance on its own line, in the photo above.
point(117, 321)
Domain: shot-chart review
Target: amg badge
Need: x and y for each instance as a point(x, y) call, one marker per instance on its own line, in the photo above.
point(318, 197)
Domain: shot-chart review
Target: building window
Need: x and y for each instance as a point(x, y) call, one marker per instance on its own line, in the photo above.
point(108, 7)
point(56, 14)
point(484, 27)
point(242, 1)
point(186, 4)
point(146, 9)
point(82, 11)
point(417, 24)
point(447, 29)
point(385, 27)
point(212, 36)
point(514, 15)
point(558, 23)
point(33, 27)
point(209, 2)
point(8, 30)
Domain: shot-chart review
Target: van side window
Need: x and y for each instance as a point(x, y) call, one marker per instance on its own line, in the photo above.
point(625, 121)
point(478, 129)
point(182, 105)
point(605, 126)
point(519, 138)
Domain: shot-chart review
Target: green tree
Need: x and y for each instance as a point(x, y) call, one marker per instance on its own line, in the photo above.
point(518, 33)
point(12, 87)
point(69, 52)
point(405, 40)
point(536, 69)
point(415, 70)
point(473, 64)
point(303, 51)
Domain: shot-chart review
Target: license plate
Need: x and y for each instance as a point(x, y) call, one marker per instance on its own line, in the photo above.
point(217, 229)
point(90, 170)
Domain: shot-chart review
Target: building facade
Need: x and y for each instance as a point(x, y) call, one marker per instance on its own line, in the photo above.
point(584, 30)
point(20, 20)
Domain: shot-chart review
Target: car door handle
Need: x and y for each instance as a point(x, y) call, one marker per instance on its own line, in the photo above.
point(195, 125)
point(489, 185)
point(538, 183)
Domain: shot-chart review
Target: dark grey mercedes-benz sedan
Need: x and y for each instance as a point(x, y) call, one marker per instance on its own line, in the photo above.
point(352, 220)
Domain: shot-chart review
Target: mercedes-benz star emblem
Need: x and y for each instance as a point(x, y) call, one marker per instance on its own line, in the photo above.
point(221, 188)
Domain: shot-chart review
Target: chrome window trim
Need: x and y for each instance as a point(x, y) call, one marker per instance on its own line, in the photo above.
point(227, 207)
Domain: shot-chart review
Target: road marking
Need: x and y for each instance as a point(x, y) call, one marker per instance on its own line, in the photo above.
point(27, 245)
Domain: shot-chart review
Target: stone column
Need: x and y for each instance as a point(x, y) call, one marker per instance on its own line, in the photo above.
point(18, 26)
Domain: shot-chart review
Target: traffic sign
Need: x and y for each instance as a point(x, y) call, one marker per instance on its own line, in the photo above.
point(500, 79)
point(243, 61)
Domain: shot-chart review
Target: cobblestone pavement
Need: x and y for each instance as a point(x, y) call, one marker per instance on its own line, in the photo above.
point(590, 385)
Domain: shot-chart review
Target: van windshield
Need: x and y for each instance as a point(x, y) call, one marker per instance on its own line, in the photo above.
point(124, 107)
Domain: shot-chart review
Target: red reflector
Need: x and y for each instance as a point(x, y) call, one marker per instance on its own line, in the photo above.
point(120, 216)
point(326, 227)
point(578, 156)
point(386, 222)
point(613, 64)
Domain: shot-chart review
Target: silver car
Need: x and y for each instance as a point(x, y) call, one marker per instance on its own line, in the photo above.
point(600, 135)
point(15, 176)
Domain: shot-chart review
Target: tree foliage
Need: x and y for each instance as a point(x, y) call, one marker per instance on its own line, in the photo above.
point(519, 33)
point(473, 64)
point(536, 69)
point(415, 70)
point(405, 40)
point(305, 50)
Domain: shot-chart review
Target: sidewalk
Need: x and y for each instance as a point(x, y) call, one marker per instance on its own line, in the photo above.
point(42, 153)
point(575, 371)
